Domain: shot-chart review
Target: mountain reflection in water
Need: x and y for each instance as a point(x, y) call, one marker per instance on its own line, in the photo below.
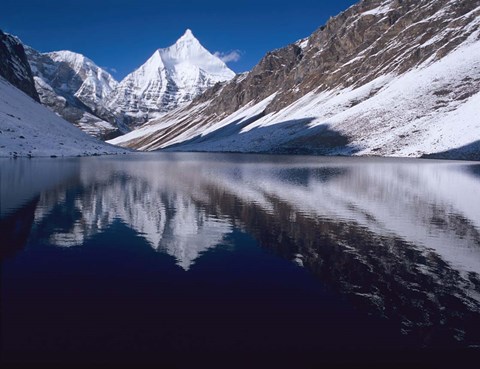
point(399, 239)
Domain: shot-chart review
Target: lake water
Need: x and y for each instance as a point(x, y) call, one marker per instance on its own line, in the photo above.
point(179, 259)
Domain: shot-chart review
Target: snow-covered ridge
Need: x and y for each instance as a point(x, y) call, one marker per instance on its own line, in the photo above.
point(74, 87)
point(419, 120)
point(169, 78)
point(189, 52)
point(97, 83)
point(28, 128)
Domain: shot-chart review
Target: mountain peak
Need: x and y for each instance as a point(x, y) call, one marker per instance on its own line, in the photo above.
point(188, 34)
point(170, 77)
point(66, 55)
point(187, 38)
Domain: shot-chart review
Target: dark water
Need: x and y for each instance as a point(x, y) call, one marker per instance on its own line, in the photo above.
point(210, 260)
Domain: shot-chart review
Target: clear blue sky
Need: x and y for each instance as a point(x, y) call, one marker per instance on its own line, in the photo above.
point(122, 34)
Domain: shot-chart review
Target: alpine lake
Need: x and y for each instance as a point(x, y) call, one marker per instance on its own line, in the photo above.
point(238, 260)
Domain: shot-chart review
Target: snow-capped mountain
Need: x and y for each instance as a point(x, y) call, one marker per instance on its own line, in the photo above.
point(75, 87)
point(28, 128)
point(86, 95)
point(385, 77)
point(91, 84)
point(171, 77)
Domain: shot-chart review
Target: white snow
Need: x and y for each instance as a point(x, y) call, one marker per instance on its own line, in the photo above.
point(98, 83)
point(94, 126)
point(72, 84)
point(303, 43)
point(382, 9)
point(169, 78)
point(29, 128)
point(235, 119)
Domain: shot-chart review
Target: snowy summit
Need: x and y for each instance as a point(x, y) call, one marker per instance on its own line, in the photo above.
point(97, 83)
point(169, 78)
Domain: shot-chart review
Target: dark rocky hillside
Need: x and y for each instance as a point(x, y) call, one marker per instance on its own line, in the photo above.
point(14, 65)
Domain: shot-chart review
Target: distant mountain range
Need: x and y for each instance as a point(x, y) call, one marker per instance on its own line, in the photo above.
point(384, 77)
point(88, 96)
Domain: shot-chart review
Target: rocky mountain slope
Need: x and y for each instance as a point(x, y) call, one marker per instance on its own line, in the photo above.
point(14, 65)
point(28, 128)
point(170, 78)
point(96, 83)
point(385, 77)
point(75, 87)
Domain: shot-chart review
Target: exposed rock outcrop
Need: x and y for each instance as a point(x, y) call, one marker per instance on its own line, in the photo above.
point(14, 65)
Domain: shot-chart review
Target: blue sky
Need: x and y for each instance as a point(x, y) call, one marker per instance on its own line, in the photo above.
point(121, 34)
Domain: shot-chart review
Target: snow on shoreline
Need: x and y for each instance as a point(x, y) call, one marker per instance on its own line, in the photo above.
point(28, 128)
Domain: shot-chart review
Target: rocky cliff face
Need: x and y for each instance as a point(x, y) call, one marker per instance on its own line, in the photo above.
point(371, 39)
point(383, 77)
point(14, 65)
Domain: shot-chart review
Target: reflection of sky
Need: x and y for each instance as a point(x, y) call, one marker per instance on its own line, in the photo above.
point(23, 179)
